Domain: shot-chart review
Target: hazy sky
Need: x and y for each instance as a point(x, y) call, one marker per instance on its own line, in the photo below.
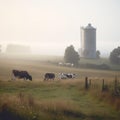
point(49, 26)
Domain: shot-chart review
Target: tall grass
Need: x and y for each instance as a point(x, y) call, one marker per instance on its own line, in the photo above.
point(108, 94)
point(72, 101)
point(24, 106)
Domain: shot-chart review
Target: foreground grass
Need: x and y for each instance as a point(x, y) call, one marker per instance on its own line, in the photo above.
point(60, 100)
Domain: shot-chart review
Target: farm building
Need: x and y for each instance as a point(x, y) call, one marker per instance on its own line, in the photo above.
point(88, 42)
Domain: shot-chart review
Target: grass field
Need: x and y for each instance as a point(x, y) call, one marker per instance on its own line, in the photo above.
point(58, 99)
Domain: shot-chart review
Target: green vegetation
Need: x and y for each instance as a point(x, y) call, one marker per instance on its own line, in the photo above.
point(102, 63)
point(71, 56)
point(98, 54)
point(59, 99)
point(115, 56)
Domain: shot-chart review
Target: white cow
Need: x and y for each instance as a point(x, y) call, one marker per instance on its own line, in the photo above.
point(66, 75)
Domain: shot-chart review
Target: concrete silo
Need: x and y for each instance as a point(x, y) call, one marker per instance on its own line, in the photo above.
point(88, 42)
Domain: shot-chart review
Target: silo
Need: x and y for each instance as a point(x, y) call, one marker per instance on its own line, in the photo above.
point(88, 42)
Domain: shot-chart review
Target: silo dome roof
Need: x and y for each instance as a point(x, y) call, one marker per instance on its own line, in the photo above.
point(89, 26)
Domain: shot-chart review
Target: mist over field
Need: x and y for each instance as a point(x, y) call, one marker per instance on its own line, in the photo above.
point(49, 26)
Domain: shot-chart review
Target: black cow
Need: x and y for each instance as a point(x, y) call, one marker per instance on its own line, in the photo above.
point(22, 75)
point(49, 76)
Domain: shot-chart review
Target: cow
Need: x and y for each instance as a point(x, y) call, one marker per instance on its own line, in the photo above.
point(49, 76)
point(66, 75)
point(22, 75)
point(62, 76)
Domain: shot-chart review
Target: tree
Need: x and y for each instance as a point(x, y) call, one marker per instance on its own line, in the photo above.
point(97, 54)
point(71, 56)
point(115, 56)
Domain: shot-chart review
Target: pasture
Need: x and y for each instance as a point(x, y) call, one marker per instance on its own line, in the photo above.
point(64, 99)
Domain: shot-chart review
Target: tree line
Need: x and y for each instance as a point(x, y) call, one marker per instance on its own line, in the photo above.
point(72, 56)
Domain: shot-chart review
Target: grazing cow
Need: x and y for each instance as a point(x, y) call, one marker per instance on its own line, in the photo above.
point(62, 76)
point(66, 75)
point(22, 75)
point(71, 75)
point(49, 76)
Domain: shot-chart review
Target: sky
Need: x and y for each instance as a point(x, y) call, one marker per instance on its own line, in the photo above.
point(49, 26)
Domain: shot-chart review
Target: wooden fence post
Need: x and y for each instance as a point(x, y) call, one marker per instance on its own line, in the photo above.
point(86, 83)
point(103, 85)
point(116, 86)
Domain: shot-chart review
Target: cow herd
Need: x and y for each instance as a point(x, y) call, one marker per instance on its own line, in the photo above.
point(48, 76)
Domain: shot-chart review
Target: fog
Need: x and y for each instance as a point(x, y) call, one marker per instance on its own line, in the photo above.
point(49, 26)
